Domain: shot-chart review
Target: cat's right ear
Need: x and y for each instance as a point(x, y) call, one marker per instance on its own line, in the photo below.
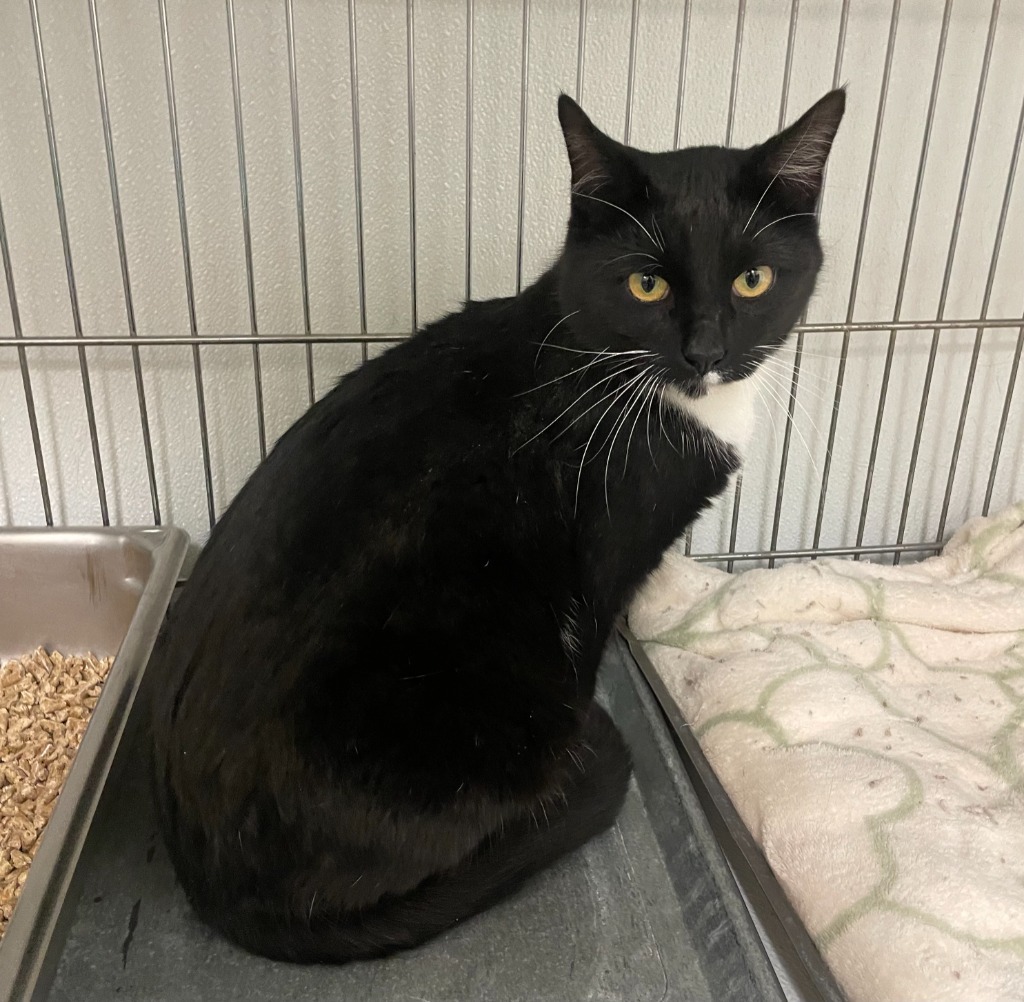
point(794, 160)
point(589, 149)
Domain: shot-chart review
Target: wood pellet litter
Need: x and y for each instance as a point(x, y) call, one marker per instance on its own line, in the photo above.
point(45, 704)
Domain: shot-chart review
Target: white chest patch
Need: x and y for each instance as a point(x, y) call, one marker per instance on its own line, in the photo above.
point(726, 410)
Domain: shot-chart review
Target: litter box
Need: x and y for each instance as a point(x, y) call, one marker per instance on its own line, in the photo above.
point(103, 591)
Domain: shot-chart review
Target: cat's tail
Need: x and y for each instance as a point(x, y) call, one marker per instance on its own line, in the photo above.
point(495, 870)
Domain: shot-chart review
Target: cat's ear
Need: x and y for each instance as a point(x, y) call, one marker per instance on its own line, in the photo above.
point(590, 150)
point(794, 160)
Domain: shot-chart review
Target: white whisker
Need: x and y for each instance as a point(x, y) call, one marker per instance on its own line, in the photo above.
point(644, 400)
point(771, 400)
point(650, 411)
point(549, 333)
point(792, 423)
point(579, 476)
point(657, 229)
point(611, 393)
point(611, 431)
point(583, 351)
point(644, 254)
point(624, 368)
point(579, 479)
point(572, 372)
point(781, 219)
point(784, 374)
point(762, 388)
point(790, 350)
point(818, 387)
point(661, 421)
point(612, 205)
point(786, 388)
point(620, 423)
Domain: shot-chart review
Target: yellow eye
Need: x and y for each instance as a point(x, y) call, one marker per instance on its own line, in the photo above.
point(648, 288)
point(754, 282)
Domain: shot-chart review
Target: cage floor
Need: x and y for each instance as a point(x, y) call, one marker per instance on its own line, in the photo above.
point(647, 911)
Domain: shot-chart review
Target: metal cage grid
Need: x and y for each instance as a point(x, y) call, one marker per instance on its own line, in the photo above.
point(847, 328)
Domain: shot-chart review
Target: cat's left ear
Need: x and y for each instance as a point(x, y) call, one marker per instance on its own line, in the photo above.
point(794, 160)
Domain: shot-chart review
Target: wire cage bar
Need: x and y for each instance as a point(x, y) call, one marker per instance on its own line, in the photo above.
point(892, 417)
point(76, 313)
point(186, 259)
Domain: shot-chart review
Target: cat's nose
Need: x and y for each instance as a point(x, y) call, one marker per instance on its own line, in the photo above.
point(705, 346)
point(704, 357)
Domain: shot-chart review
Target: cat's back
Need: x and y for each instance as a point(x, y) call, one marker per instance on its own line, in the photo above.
point(352, 499)
point(446, 388)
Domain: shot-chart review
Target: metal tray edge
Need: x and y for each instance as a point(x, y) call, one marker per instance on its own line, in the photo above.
point(762, 973)
point(732, 831)
point(30, 932)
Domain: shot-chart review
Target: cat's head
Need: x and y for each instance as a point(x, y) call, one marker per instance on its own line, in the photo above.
point(705, 256)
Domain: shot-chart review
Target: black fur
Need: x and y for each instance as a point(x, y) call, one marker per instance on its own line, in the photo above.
point(374, 708)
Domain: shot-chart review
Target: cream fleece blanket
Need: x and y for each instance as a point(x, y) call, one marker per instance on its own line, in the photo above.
point(868, 723)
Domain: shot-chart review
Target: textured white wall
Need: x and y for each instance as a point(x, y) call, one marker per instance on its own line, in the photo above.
point(199, 43)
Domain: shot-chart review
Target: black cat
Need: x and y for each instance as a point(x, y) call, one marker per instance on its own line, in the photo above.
point(374, 707)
